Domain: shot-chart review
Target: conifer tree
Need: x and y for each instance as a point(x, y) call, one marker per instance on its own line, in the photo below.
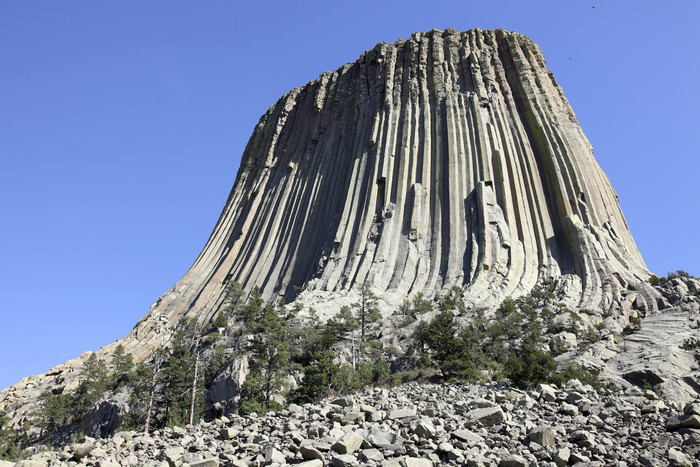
point(343, 324)
point(92, 386)
point(54, 412)
point(122, 364)
point(449, 351)
point(233, 299)
point(269, 359)
point(182, 399)
point(367, 311)
point(10, 441)
point(152, 386)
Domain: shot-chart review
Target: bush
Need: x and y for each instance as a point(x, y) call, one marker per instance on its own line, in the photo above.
point(220, 321)
point(402, 377)
point(529, 366)
point(9, 441)
point(576, 371)
point(693, 345)
point(656, 280)
point(448, 351)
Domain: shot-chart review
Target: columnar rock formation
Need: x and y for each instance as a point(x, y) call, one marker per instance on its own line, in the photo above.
point(448, 159)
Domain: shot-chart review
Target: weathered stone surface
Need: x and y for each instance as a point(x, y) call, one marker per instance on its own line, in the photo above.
point(684, 421)
point(349, 443)
point(487, 417)
point(371, 455)
point(413, 462)
point(380, 437)
point(272, 455)
point(344, 460)
point(468, 436)
point(209, 462)
point(402, 413)
point(562, 457)
point(677, 458)
point(310, 453)
point(542, 435)
point(173, 455)
point(81, 451)
point(692, 409)
point(311, 463)
point(227, 384)
point(425, 429)
point(513, 460)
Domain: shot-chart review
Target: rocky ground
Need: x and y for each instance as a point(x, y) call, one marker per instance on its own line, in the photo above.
point(421, 425)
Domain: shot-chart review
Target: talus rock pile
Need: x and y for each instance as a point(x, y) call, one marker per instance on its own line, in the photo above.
point(422, 425)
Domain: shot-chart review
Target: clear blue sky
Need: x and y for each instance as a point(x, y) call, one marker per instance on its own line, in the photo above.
point(122, 125)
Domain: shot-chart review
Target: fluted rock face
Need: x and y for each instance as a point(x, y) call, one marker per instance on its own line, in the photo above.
point(449, 159)
point(446, 160)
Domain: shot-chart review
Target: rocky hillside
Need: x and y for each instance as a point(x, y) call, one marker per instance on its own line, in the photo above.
point(421, 425)
point(440, 191)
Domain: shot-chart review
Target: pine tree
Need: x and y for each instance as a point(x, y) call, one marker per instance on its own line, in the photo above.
point(251, 310)
point(233, 299)
point(54, 412)
point(152, 385)
point(122, 364)
point(182, 398)
point(448, 350)
point(92, 386)
point(269, 359)
point(367, 311)
point(142, 379)
point(10, 441)
point(220, 321)
point(319, 375)
point(343, 324)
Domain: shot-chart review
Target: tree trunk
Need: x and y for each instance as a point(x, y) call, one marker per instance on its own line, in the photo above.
point(354, 357)
point(151, 394)
point(194, 388)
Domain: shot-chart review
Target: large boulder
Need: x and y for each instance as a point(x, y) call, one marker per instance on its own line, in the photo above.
point(102, 420)
point(226, 387)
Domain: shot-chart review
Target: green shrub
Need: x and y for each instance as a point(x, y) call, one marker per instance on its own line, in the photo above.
point(591, 335)
point(402, 377)
point(529, 366)
point(220, 321)
point(577, 371)
point(424, 361)
point(656, 280)
point(10, 441)
point(692, 344)
point(450, 352)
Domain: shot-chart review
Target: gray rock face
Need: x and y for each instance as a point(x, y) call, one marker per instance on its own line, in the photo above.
point(228, 383)
point(446, 160)
point(103, 420)
point(542, 435)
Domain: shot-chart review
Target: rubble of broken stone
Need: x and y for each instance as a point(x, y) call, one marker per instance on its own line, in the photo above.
point(421, 425)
